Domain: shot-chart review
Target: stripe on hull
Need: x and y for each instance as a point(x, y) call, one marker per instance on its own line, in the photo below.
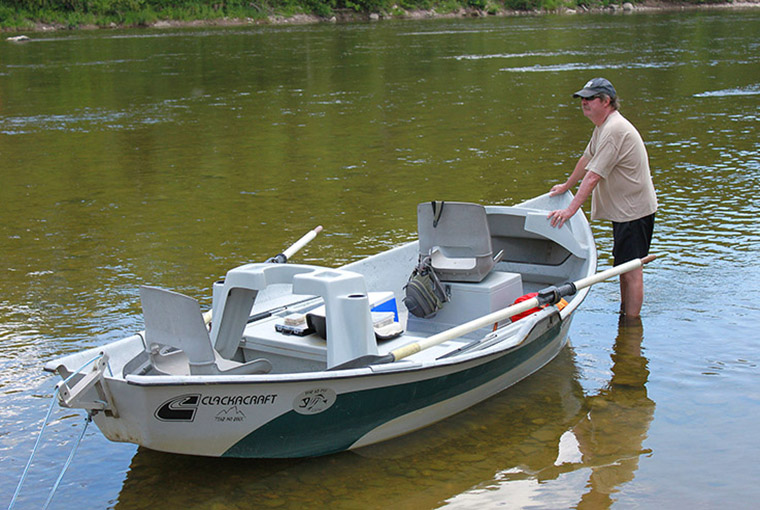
point(338, 428)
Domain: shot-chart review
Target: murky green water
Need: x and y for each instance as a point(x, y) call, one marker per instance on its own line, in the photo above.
point(169, 157)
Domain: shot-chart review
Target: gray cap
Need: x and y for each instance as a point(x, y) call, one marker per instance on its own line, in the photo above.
point(596, 86)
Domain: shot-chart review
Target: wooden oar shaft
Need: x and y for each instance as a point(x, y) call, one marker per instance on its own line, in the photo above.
point(613, 271)
point(468, 327)
point(510, 311)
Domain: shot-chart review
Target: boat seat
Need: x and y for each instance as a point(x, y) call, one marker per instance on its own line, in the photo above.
point(175, 320)
point(456, 237)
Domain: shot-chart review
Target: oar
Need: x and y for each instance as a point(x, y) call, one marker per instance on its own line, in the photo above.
point(547, 296)
point(280, 258)
point(283, 257)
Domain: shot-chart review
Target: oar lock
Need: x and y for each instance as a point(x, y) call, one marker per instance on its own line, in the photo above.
point(552, 295)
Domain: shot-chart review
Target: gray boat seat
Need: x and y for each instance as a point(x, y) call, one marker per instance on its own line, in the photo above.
point(175, 320)
point(457, 238)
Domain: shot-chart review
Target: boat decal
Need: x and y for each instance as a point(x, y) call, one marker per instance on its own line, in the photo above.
point(185, 407)
point(182, 408)
point(233, 414)
point(238, 400)
point(354, 414)
point(314, 401)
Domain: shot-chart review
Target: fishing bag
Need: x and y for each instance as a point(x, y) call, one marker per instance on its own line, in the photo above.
point(424, 293)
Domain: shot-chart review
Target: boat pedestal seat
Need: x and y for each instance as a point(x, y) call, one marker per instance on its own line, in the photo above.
point(456, 237)
point(175, 321)
point(508, 222)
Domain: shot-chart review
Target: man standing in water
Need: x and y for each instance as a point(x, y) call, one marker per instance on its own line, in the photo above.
point(614, 170)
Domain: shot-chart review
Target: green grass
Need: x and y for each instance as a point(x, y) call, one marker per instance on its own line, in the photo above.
point(24, 14)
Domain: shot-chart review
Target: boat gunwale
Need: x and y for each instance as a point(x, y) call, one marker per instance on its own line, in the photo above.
point(399, 367)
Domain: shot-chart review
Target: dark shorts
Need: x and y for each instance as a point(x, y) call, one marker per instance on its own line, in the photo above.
point(632, 239)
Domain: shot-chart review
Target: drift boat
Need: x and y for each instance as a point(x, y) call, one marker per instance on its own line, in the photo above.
point(299, 360)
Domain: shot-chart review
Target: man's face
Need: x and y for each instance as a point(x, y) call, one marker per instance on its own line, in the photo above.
point(594, 107)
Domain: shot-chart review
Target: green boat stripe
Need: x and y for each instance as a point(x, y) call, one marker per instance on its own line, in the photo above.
point(355, 414)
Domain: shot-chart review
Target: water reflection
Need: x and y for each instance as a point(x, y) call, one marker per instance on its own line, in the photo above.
point(593, 457)
point(611, 435)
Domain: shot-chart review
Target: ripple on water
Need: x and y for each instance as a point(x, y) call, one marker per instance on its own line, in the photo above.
point(85, 121)
point(581, 66)
point(749, 90)
point(516, 55)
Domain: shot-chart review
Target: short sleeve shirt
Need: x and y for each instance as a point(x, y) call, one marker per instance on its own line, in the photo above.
point(617, 153)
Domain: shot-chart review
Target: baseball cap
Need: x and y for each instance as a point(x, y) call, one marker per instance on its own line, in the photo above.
point(596, 86)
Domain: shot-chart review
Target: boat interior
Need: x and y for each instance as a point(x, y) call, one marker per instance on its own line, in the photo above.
point(290, 318)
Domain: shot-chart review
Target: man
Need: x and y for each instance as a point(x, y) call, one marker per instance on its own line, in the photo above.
point(614, 170)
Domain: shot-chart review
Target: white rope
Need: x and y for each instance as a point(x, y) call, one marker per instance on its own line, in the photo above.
point(39, 437)
point(34, 451)
point(87, 421)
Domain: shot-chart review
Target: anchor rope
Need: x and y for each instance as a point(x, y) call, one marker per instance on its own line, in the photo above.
point(88, 419)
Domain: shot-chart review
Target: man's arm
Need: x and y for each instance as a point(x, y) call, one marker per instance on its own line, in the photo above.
point(578, 173)
point(559, 217)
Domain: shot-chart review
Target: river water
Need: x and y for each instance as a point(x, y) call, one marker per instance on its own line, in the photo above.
point(168, 157)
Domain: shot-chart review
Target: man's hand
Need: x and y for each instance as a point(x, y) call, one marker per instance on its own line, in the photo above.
point(558, 189)
point(560, 216)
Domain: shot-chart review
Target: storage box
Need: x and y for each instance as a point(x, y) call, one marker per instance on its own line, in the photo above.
point(469, 301)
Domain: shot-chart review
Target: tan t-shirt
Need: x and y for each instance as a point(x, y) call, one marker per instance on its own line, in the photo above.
point(617, 153)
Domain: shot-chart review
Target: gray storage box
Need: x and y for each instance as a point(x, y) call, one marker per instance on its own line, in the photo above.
point(472, 300)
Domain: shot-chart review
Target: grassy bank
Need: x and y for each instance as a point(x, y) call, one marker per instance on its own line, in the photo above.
point(20, 15)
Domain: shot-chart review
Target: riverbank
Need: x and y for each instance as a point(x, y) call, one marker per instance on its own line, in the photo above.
point(395, 13)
